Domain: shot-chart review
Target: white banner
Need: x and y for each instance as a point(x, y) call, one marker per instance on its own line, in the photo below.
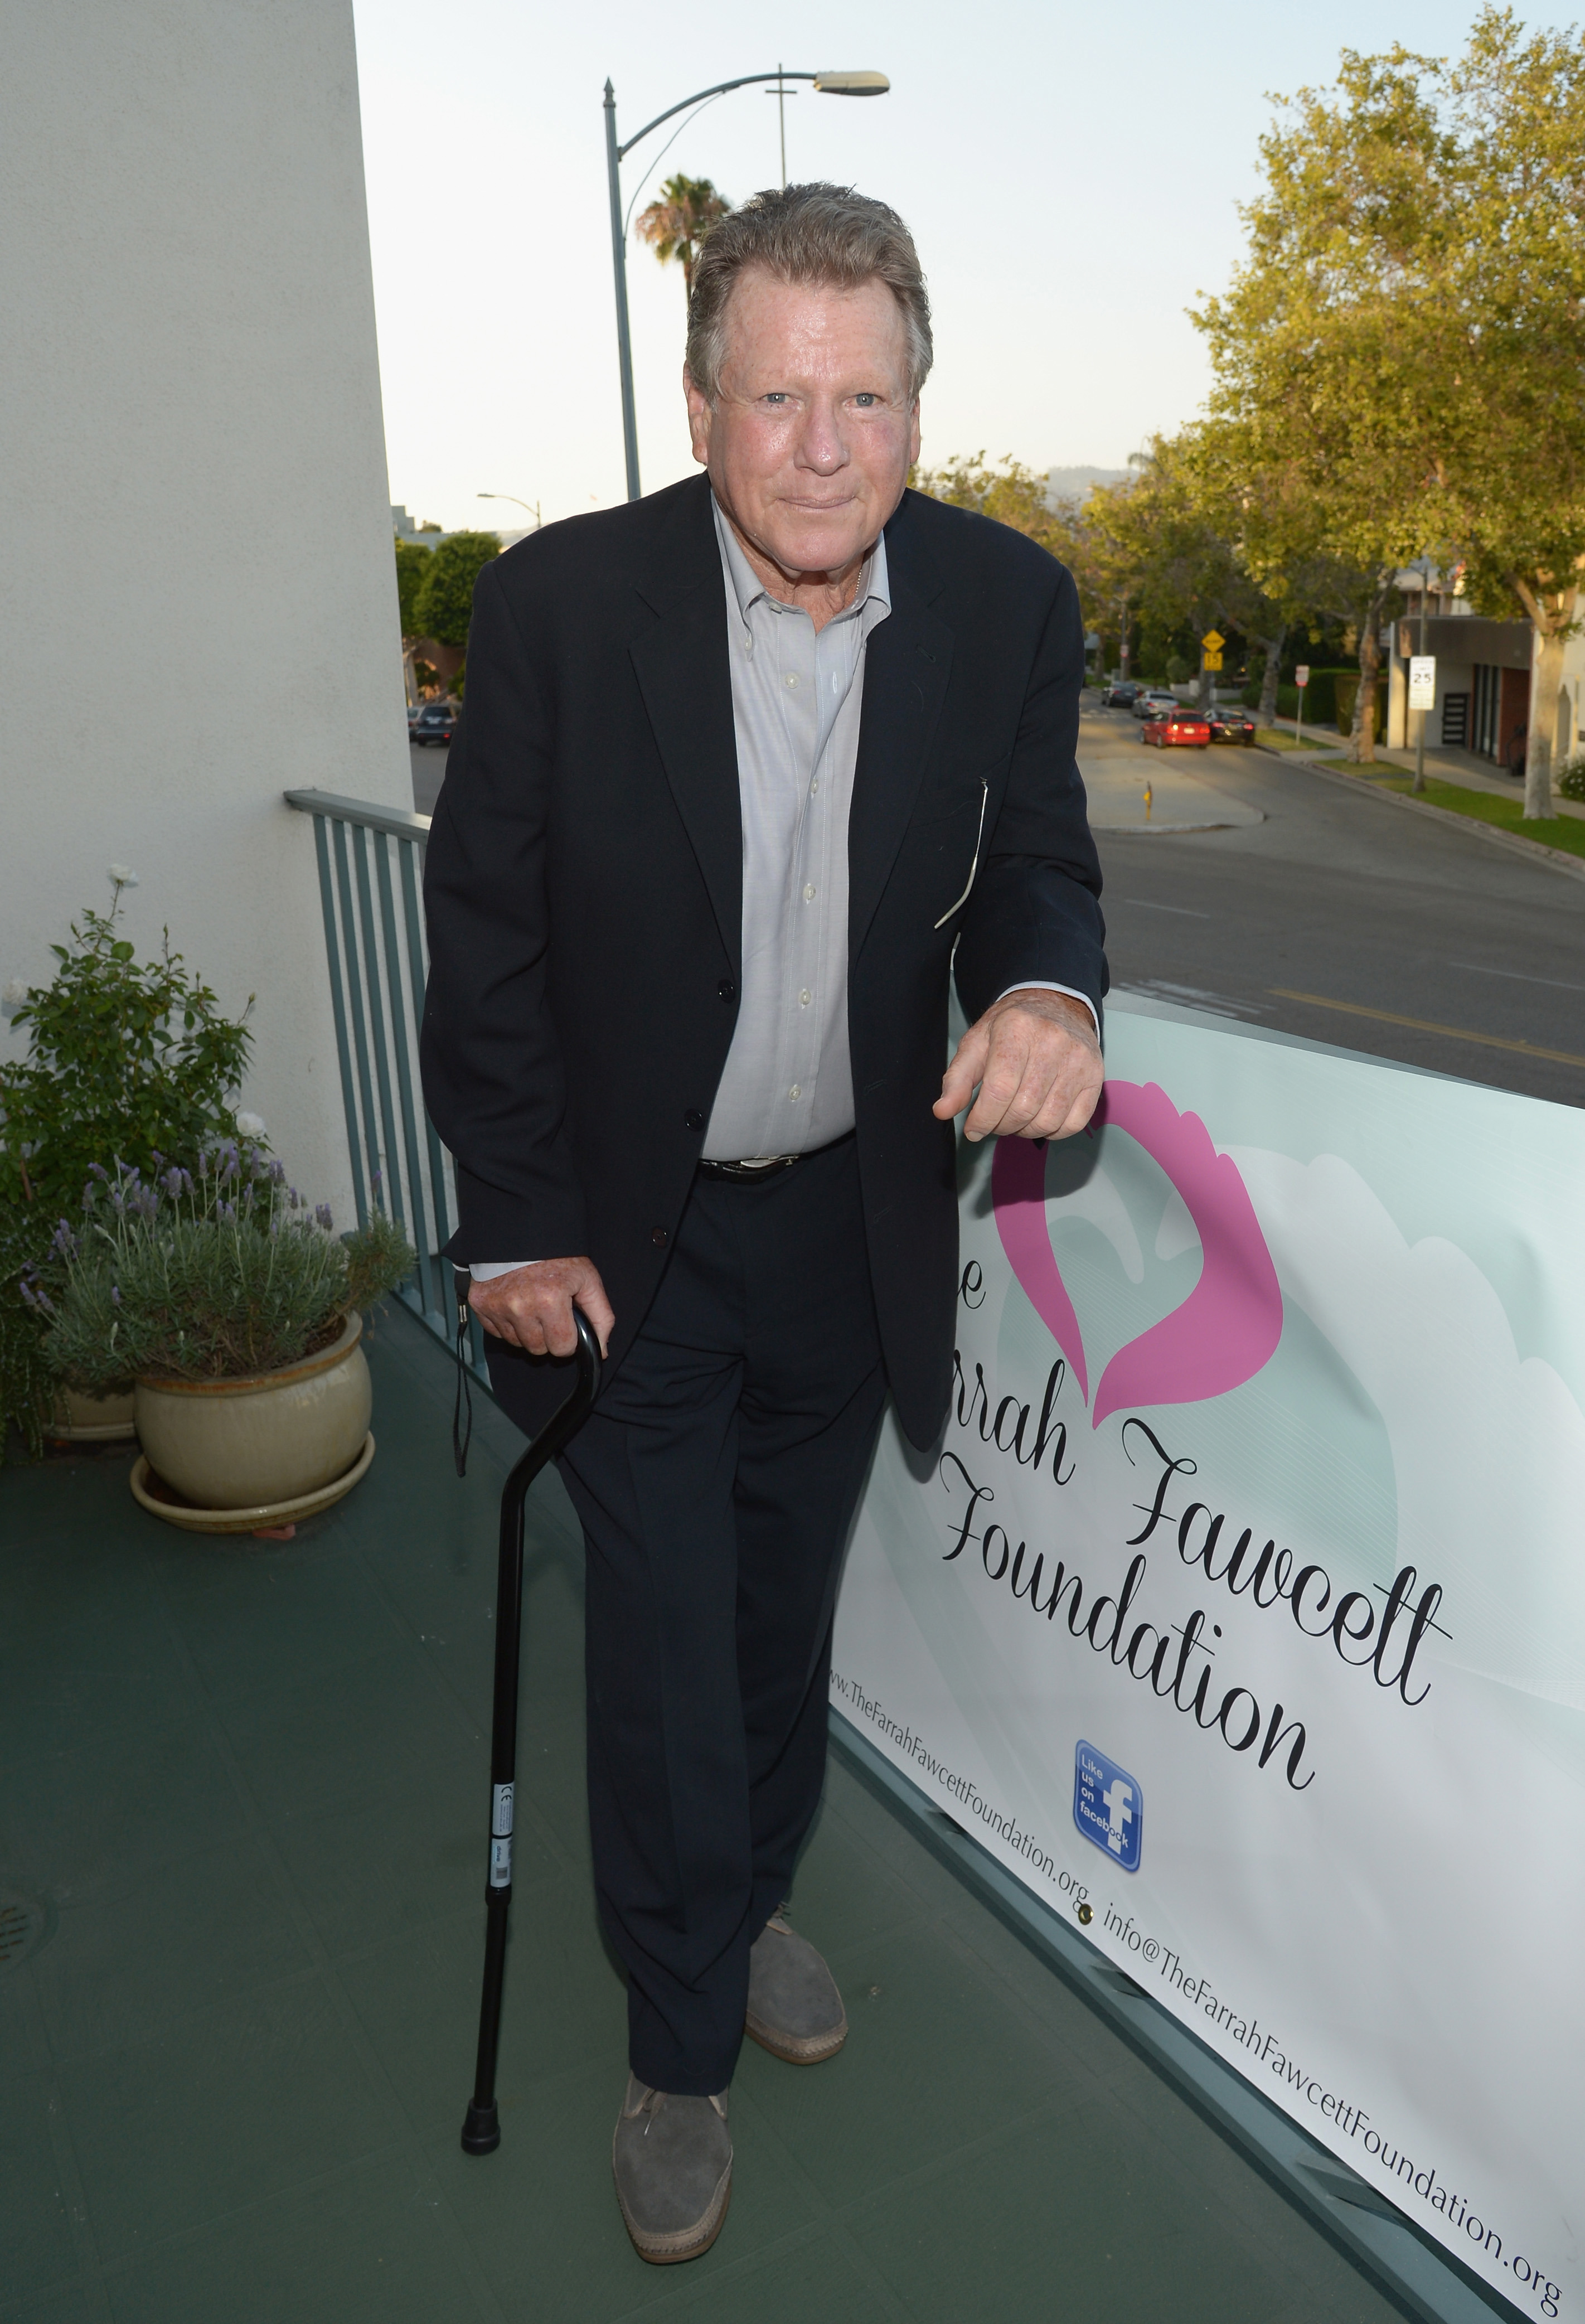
point(1241, 1612)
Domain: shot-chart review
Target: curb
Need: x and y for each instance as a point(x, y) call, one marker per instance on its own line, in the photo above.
point(1534, 851)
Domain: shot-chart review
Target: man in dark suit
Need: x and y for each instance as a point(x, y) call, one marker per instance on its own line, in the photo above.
point(747, 770)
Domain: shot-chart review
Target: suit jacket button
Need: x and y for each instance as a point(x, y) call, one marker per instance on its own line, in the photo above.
point(692, 1118)
point(727, 989)
point(659, 1237)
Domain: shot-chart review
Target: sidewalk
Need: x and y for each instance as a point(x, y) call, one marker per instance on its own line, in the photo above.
point(1462, 767)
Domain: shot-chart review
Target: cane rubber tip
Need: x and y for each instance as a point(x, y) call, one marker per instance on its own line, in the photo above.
point(481, 2133)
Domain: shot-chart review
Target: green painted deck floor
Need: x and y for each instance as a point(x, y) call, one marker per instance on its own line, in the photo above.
point(248, 1781)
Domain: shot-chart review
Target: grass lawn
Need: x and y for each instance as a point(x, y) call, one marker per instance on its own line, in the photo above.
point(1566, 831)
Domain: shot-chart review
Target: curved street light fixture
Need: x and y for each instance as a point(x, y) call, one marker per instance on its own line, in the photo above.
point(533, 511)
point(826, 84)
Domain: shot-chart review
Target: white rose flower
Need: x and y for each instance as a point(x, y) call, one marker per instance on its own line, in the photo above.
point(123, 876)
point(250, 1125)
point(12, 993)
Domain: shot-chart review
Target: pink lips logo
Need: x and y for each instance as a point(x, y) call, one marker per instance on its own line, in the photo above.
point(1228, 1327)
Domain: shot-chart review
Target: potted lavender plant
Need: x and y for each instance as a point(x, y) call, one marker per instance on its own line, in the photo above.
point(236, 1312)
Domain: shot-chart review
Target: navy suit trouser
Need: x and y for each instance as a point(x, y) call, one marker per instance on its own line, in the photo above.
point(717, 1479)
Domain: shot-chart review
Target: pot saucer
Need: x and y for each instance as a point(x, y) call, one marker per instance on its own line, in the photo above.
point(163, 1500)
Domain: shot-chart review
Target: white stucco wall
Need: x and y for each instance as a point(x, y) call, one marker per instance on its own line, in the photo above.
point(195, 524)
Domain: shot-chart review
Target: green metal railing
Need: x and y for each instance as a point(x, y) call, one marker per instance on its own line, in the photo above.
point(370, 874)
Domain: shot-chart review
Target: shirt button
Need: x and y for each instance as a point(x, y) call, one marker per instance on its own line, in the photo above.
point(659, 1237)
point(727, 989)
point(803, 999)
point(792, 677)
point(692, 1118)
point(814, 787)
point(795, 1091)
point(809, 893)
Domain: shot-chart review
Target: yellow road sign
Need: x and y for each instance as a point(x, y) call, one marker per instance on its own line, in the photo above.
point(1212, 661)
point(1213, 641)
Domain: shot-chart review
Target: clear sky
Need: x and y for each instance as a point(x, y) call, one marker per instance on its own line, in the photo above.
point(1071, 176)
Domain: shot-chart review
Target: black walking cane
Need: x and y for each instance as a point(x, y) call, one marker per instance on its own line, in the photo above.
point(481, 2133)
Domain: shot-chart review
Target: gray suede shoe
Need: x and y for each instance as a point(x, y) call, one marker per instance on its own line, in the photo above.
point(672, 2158)
point(795, 2009)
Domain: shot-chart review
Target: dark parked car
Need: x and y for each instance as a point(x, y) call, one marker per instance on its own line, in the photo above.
point(1230, 724)
point(1155, 702)
point(1120, 695)
point(436, 722)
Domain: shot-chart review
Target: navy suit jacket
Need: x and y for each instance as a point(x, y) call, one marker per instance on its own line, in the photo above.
point(584, 891)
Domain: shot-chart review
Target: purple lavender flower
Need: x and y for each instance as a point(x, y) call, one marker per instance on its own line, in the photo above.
point(116, 1295)
point(322, 1216)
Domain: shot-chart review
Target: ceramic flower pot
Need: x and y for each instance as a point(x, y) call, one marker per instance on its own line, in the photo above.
point(79, 1419)
point(272, 1437)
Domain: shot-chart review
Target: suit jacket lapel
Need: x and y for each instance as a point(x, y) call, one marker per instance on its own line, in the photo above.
point(685, 680)
point(907, 664)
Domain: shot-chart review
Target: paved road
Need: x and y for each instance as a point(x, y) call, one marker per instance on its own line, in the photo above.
point(1331, 895)
point(429, 773)
point(1350, 902)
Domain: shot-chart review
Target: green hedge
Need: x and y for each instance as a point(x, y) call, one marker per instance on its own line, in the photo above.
point(1320, 695)
point(1348, 694)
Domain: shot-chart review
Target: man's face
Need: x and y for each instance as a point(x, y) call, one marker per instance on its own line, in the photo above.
point(809, 443)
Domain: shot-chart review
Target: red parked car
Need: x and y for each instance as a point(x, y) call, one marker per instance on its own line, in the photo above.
point(1177, 726)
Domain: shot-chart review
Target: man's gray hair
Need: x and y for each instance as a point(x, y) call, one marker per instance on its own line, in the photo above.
point(814, 234)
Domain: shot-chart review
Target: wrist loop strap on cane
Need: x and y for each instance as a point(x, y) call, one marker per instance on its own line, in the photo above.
point(462, 1438)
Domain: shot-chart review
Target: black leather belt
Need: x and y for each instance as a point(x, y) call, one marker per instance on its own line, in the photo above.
point(756, 1167)
point(747, 1173)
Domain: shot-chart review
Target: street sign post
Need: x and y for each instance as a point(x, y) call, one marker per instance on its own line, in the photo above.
point(1301, 679)
point(1422, 698)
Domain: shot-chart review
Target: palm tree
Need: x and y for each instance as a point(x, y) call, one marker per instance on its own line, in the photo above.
point(677, 224)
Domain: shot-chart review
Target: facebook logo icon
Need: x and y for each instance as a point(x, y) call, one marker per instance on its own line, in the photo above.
point(1109, 1807)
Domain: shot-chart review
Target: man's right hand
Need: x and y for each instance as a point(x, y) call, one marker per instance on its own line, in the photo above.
point(532, 1307)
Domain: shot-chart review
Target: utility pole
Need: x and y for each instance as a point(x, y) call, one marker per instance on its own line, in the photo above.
point(1424, 715)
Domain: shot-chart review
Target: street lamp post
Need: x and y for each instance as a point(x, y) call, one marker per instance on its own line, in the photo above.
point(827, 84)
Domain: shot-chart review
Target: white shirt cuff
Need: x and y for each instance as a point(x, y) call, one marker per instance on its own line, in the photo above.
point(1041, 984)
point(488, 1269)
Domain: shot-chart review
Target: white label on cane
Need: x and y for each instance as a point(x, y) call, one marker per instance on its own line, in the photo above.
point(501, 1864)
point(501, 1811)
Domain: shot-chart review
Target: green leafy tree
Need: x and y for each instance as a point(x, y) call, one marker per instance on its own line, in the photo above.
point(444, 601)
point(675, 224)
point(1170, 540)
point(412, 570)
point(1406, 339)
